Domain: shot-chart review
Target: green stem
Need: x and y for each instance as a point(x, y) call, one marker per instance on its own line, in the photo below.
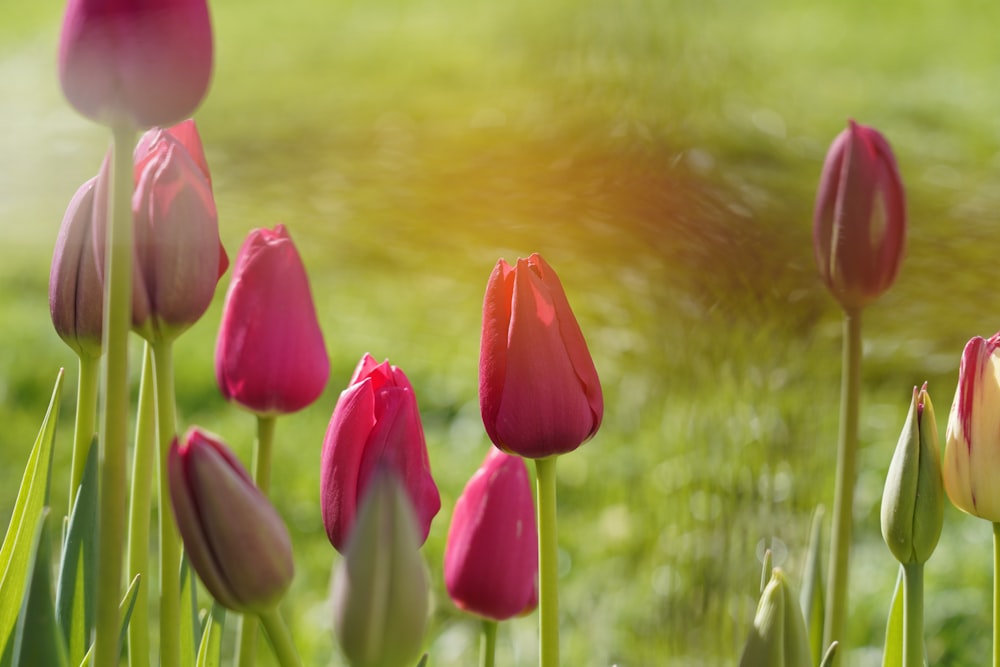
point(996, 595)
point(281, 639)
point(114, 418)
point(246, 625)
point(143, 456)
point(488, 643)
point(86, 420)
point(913, 615)
point(170, 547)
point(548, 563)
point(843, 501)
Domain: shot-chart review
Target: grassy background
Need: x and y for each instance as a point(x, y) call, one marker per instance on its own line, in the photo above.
point(663, 156)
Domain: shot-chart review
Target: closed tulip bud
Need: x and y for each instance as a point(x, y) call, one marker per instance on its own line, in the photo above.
point(778, 637)
point(270, 356)
point(538, 389)
point(136, 63)
point(859, 224)
point(375, 423)
point(972, 441)
point(913, 498)
point(75, 291)
point(380, 588)
point(235, 539)
point(491, 557)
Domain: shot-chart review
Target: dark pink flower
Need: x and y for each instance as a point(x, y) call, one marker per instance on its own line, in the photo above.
point(237, 542)
point(491, 558)
point(137, 62)
point(538, 389)
point(859, 224)
point(270, 356)
point(375, 423)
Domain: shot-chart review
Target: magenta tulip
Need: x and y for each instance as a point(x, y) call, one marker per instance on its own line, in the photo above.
point(491, 558)
point(137, 63)
point(375, 423)
point(859, 224)
point(270, 356)
point(538, 389)
point(75, 291)
point(235, 539)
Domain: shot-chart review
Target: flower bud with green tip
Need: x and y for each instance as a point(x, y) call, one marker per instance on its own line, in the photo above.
point(778, 637)
point(380, 588)
point(913, 499)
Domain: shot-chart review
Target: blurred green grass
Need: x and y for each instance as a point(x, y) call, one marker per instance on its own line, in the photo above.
point(663, 156)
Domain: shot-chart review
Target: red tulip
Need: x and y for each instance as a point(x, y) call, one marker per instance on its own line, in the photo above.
point(538, 389)
point(140, 63)
point(237, 542)
point(491, 558)
point(270, 356)
point(75, 292)
point(375, 423)
point(859, 225)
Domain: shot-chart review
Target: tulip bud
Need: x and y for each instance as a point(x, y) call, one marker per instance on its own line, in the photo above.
point(139, 63)
point(375, 423)
point(491, 558)
point(236, 540)
point(270, 356)
point(75, 291)
point(913, 499)
point(859, 224)
point(778, 637)
point(380, 588)
point(538, 389)
point(972, 440)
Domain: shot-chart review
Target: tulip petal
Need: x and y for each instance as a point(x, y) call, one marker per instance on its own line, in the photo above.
point(493, 346)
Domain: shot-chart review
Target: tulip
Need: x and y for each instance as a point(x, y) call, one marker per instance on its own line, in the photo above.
point(380, 588)
point(912, 501)
point(235, 539)
point(972, 441)
point(375, 423)
point(136, 63)
point(538, 389)
point(491, 557)
point(778, 637)
point(859, 224)
point(270, 356)
point(75, 291)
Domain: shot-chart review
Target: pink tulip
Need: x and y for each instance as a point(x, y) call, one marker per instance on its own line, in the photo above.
point(237, 542)
point(141, 63)
point(75, 291)
point(375, 423)
point(491, 558)
point(538, 389)
point(270, 356)
point(859, 224)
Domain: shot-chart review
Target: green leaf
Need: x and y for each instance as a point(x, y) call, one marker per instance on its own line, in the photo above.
point(210, 650)
point(190, 629)
point(37, 638)
point(126, 606)
point(893, 654)
point(76, 592)
point(831, 653)
point(423, 661)
point(16, 552)
point(812, 596)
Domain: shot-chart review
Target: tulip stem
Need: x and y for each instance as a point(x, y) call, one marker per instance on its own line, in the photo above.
point(996, 595)
point(114, 417)
point(913, 615)
point(246, 625)
point(170, 548)
point(843, 500)
point(548, 562)
point(86, 419)
point(143, 456)
point(281, 639)
point(488, 643)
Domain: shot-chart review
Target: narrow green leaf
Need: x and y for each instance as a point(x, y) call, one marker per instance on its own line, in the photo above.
point(423, 661)
point(77, 588)
point(126, 606)
point(190, 627)
point(210, 650)
point(812, 596)
point(831, 653)
point(16, 552)
point(765, 571)
point(37, 638)
point(893, 655)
